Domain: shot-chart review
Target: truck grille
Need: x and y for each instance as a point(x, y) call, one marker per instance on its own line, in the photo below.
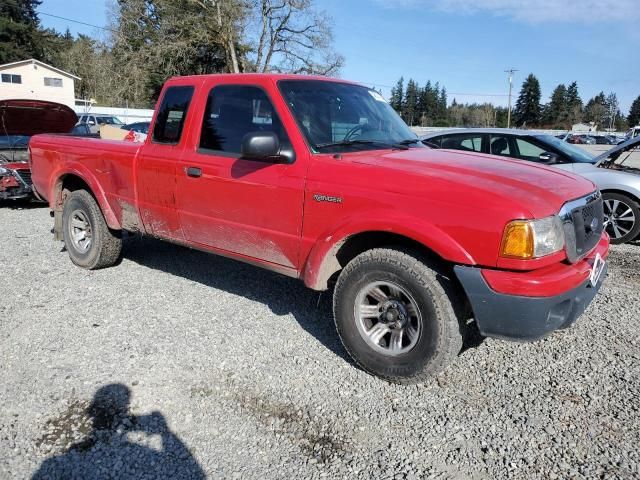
point(583, 222)
point(24, 176)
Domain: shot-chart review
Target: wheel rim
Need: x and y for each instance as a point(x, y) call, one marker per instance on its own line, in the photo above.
point(80, 231)
point(388, 318)
point(619, 218)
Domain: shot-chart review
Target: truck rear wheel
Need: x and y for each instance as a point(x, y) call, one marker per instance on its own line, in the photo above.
point(395, 316)
point(87, 237)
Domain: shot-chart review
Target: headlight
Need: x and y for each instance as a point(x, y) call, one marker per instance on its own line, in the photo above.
point(526, 239)
point(4, 171)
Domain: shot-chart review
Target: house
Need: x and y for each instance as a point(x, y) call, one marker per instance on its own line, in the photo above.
point(29, 79)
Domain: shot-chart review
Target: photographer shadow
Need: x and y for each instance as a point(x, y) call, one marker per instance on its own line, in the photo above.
point(111, 451)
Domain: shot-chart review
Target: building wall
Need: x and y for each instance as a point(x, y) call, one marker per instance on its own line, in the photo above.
point(127, 115)
point(33, 87)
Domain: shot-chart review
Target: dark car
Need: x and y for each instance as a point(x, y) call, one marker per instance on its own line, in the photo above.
point(20, 119)
point(83, 130)
point(605, 140)
point(619, 184)
point(139, 127)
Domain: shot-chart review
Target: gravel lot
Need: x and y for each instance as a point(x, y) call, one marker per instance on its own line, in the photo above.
point(234, 372)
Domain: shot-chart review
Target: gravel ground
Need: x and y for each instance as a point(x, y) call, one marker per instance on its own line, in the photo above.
point(184, 365)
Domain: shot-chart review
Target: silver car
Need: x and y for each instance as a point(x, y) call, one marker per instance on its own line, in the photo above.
point(618, 182)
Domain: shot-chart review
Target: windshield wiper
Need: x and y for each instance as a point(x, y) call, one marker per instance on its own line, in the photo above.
point(344, 143)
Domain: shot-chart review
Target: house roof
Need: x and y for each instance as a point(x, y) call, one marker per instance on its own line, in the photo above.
point(42, 64)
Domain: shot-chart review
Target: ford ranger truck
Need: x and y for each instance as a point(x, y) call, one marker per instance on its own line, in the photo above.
point(321, 180)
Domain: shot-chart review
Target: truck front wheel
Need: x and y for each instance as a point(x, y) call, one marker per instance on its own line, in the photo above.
point(395, 315)
point(87, 237)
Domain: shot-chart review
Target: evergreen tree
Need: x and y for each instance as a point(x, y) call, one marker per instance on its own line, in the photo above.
point(442, 104)
point(634, 113)
point(556, 113)
point(574, 104)
point(528, 111)
point(596, 110)
point(410, 106)
point(397, 96)
point(20, 36)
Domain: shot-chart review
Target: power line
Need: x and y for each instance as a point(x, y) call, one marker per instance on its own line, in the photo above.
point(75, 21)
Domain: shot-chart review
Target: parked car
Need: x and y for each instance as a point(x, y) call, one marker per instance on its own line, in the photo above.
point(20, 119)
point(605, 140)
point(620, 189)
point(83, 130)
point(633, 133)
point(138, 127)
point(320, 179)
point(95, 121)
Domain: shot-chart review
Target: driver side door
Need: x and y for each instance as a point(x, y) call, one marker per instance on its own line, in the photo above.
point(248, 208)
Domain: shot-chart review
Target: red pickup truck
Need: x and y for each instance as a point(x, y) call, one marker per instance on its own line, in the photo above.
point(320, 179)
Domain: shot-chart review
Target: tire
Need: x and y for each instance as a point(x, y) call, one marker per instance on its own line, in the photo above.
point(100, 247)
point(623, 224)
point(431, 336)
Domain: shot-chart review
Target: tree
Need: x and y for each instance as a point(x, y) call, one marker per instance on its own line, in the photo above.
point(528, 111)
point(574, 104)
point(613, 111)
point(556, 113)
point(633, 118)
point(595, 110)
point(410, 105)
point(293, 37)
point(20, 35)
point(397, 95)
point(157, 39)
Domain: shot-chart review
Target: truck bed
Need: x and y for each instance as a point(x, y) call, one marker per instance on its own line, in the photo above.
point(107, 165)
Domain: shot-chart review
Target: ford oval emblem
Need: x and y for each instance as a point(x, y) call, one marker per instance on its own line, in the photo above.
point(593, 225)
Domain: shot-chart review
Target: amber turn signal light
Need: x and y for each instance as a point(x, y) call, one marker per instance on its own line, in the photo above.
point(517, 240)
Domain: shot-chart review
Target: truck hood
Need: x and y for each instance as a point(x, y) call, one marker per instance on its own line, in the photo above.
point(31, 117)
point(539, 189)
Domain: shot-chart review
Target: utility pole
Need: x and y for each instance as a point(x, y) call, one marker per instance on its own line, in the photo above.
point(511, 71)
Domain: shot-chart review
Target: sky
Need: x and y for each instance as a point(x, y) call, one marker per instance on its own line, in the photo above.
point(466, 45)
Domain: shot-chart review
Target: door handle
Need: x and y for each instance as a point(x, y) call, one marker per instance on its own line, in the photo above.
point(194, 172)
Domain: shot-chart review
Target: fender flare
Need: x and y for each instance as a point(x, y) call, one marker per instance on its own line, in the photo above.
point(321, 262)
point(85, 174)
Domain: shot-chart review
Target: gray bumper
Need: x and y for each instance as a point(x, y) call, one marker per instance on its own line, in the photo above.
point(515, 317)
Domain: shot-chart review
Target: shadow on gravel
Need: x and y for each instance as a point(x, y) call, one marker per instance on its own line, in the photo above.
point(118, 444)
point(283, 295)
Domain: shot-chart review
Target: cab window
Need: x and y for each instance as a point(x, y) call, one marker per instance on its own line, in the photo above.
point(232, 111)
point(172, 114)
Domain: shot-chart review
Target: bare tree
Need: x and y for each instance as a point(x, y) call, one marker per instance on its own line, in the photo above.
point(229, 18)
point(293, 37)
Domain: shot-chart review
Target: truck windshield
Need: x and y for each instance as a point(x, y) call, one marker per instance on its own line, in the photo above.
point(340, 117)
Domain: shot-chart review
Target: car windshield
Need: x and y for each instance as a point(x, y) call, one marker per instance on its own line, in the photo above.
point(14, 141)
point(109, 121)
point(574, 153)
point(339, 117)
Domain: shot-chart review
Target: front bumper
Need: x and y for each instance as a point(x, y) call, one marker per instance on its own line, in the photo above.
point(520, 317)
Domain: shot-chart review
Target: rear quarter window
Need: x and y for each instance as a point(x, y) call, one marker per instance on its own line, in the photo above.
point(172, 114)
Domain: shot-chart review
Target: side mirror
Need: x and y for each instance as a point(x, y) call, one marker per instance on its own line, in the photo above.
point(261, 147)
point(549, 158)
